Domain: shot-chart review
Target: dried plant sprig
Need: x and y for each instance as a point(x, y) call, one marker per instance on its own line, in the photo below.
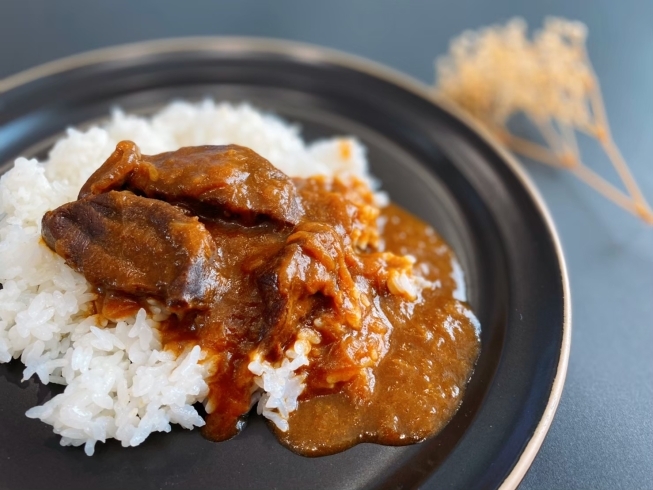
point(497, 72)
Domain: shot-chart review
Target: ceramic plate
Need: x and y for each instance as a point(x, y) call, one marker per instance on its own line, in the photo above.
point(431, 160)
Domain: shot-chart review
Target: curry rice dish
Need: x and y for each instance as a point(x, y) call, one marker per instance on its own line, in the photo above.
point(207, 274)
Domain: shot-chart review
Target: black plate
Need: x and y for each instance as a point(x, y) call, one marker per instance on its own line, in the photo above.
point(430, 161)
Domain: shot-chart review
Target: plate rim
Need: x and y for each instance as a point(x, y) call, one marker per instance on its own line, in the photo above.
point(313, 53)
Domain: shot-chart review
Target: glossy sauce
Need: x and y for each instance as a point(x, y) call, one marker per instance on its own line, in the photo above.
point(421, 381)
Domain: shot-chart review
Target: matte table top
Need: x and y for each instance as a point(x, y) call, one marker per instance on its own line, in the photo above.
point(602, 435)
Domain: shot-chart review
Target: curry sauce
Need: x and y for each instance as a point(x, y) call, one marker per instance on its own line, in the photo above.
point(247, 263)
point(421, 380)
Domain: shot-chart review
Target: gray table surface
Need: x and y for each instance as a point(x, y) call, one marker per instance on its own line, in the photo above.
point(602, 435)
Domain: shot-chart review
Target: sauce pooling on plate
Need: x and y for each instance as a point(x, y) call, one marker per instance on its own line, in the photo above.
point(419, 384)
point(340, 319)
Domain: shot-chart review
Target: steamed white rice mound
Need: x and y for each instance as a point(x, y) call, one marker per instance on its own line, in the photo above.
point(119, 382)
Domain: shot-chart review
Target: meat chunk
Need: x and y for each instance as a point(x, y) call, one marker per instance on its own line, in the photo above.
point(312, 262)
point(224, 180)
point(135, 245)
point(314, 283)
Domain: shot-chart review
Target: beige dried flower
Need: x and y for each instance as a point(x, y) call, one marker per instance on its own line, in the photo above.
point(497, 72)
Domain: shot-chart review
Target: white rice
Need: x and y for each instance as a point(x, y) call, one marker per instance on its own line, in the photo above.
point(279, 386)
point(119, 383)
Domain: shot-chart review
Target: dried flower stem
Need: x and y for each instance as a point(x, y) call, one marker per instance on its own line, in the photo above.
point(613, 153)
point(497, 72)
point(569, 157)
point(543, 154)
point(550, 136)
point(594, 180)
point(569, 136)
point(531, 150)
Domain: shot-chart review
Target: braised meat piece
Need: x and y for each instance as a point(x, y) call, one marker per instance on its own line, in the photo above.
point(211, 181)
point(313, 261)
point(135, 245)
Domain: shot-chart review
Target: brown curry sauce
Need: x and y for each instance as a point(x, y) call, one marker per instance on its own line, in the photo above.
point(248, 260)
